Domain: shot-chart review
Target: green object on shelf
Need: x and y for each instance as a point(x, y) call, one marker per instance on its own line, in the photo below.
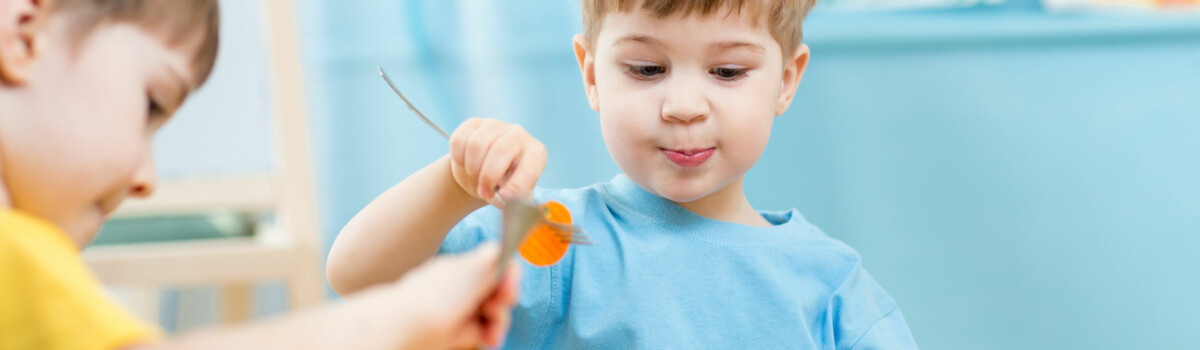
point(182, 227)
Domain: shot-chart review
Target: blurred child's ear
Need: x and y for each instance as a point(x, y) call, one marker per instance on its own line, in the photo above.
point(587, 68)
point(793, 70)
point(22, 32)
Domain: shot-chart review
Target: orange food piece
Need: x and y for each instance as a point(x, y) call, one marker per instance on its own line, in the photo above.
point(545, 246)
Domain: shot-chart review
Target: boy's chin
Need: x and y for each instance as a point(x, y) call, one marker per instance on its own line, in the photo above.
point(86, 227)
point(681, 191)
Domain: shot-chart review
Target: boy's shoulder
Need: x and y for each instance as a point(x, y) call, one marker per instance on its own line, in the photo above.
point(48, 298)
point(20, 232)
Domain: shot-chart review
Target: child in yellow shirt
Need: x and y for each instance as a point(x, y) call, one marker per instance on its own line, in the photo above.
point(84, 86)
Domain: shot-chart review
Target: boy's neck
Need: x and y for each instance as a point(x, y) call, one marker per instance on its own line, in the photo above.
point(727, 204)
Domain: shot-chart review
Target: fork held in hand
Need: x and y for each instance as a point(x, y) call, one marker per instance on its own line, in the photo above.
point(520, 216)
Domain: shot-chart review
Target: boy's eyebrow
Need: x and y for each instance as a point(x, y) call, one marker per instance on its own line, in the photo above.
point(727, 45)
point(635, 38)
point(717, 46)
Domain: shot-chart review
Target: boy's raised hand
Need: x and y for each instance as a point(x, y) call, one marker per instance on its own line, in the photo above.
point(487, 155)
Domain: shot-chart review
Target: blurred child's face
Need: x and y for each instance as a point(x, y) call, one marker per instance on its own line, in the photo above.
point(79, 139)
point(686, 103)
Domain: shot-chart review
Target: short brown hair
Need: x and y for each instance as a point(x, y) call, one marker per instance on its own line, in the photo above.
point(785, 16)
point(176, 21)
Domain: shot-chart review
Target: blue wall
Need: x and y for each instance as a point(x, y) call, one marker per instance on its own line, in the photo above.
point(1015, 179)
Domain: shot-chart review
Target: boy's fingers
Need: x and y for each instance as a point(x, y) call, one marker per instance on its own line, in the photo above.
point(509, 289)
point(497, 313)
point(525, 177)
point(487, 313)
point(478, 147)
point(496, 325)
point(505, 294)
point(458, 140)
point(500, 158)
point(493, 307)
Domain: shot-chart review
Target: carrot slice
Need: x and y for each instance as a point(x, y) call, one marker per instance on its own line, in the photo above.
point(545, 245)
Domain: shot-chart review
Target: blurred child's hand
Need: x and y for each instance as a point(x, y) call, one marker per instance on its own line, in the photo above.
point(454, 301)
point(486, 154)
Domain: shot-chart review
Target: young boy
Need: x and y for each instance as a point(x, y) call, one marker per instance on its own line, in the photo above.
point(687, 91)
point(84, 85)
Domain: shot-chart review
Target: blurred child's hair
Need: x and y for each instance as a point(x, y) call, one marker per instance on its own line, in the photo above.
point(784, 16)
point(174, 21)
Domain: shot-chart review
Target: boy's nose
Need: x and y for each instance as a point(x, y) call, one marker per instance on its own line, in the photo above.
point(684, 103)
point(144, 179)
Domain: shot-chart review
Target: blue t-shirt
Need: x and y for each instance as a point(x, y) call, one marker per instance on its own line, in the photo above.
point(661, 277)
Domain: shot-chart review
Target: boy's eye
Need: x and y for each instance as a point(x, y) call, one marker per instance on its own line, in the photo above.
point(728, 73)
point(647, 71)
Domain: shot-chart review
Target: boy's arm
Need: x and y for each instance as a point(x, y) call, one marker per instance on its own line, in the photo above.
point(447, 303)
point(407, 224)
point(398, 230)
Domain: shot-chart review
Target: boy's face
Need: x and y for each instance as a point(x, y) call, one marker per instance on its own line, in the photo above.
point(76, 136)
point(686, 103)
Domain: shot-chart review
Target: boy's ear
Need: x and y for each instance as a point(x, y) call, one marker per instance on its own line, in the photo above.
point(793, 70)
point(587, 68)
point(22, 34)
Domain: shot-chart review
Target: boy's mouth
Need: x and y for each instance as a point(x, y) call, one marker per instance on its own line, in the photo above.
point(688, 158)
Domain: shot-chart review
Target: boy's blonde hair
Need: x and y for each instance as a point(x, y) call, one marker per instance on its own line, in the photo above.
point(784, 16)
point(174, 21)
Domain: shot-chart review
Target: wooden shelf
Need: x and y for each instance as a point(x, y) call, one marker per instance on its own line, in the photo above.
point(257, 193)
point(269, 255)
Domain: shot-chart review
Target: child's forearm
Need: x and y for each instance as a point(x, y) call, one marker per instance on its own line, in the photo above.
point(353, 324)
point(398, 230)
point(446, 303)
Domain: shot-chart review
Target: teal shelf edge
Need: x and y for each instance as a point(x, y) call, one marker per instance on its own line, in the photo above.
point(832, 31)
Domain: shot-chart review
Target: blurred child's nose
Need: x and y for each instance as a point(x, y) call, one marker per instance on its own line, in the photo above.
point(684, 102)
point(144, 178)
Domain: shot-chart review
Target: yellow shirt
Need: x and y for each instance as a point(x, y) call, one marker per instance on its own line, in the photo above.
point(49, 299)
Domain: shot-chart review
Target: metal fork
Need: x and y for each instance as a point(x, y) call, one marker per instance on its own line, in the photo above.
point(519, 215)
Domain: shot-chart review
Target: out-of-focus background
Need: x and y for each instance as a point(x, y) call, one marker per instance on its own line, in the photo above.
point(1018, 174)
